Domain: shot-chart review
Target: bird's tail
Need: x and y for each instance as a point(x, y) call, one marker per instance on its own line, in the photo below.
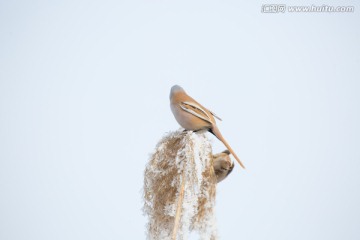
point(217, 134)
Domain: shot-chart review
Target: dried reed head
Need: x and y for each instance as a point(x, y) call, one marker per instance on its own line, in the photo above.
point(180, 154)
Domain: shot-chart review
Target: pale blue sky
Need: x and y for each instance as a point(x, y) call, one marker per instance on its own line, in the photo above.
point(84, 90)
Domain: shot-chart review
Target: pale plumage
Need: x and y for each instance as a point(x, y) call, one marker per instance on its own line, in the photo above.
point(222, 165)
point(191, 115)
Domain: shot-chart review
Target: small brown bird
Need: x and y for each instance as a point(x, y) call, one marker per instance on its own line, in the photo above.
point(222, 165)
point(191, 115)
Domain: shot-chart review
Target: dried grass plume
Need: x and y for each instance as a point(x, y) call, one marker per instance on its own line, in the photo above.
point(180, 168)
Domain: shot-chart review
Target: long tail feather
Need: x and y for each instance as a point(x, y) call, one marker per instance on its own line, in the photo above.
point(217, 133)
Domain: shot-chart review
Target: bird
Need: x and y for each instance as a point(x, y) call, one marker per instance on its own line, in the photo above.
point(222, 165)
point(192, 116)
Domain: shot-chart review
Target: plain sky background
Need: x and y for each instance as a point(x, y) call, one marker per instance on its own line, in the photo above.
point(84, 98)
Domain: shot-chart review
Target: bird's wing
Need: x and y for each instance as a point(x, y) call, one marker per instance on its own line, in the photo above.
point(212, 113)
point(196, 110)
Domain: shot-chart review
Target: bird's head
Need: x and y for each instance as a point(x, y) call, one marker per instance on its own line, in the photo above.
point(223, 165)
point(175, 89)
